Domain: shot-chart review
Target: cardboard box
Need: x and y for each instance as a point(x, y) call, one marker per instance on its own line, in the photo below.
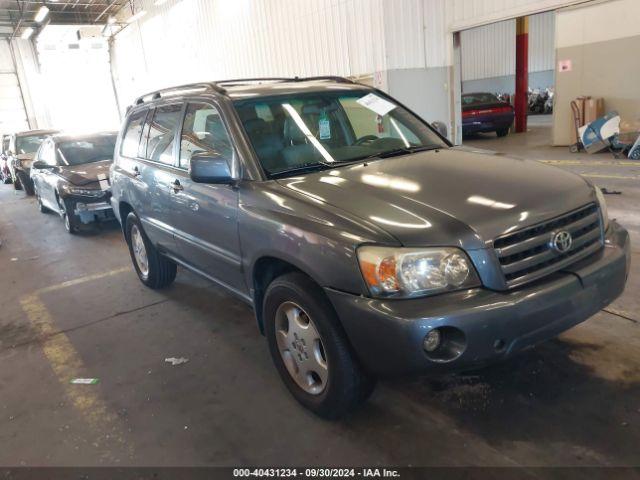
point(590, 109)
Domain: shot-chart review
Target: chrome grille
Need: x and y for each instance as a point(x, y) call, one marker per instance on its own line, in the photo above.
point(527, 254)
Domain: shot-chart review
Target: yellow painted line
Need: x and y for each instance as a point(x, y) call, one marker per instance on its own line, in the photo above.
point(81, 280)
point(612, 163)
point(67, 364)
point(619, 177)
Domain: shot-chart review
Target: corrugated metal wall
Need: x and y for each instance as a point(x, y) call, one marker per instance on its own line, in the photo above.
point(490, 51)
point(472, 13)
point(190, 40)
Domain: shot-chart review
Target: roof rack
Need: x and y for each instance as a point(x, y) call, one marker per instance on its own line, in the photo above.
point(217, 86)
point(190, 86)
point(332, 78)
point(253, 80)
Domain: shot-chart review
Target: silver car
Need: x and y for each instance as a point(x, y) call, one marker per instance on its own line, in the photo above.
point(367, 245)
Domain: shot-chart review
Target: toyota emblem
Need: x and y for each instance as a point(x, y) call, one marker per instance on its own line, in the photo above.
point(561, 241)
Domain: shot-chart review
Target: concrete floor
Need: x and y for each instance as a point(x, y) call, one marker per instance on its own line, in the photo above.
point(72, 307)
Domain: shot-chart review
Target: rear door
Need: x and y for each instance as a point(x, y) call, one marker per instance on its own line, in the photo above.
point(205, 216)
point(157, 172)
point(147, 157)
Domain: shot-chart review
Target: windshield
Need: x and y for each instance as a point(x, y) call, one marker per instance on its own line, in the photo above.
point(323, 129)
point(30, 144)
point(87, 150)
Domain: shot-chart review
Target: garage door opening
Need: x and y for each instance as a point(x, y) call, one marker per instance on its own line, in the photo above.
point(489, 75)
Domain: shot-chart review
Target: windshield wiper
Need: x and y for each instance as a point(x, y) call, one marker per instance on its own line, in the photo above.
point(312, 167)
point(396, 152)
point(406, 151)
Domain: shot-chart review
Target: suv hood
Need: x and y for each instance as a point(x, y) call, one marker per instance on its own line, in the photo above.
point(85, 174)
point(448, 197)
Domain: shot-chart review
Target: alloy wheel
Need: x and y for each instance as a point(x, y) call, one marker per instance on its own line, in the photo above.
point(139, 251)
point(301, 348)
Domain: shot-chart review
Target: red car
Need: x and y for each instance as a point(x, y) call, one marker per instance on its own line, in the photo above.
point(483, 112)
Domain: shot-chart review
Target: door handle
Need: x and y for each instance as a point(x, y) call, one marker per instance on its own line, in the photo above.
point(136, 171)
point(176, 186)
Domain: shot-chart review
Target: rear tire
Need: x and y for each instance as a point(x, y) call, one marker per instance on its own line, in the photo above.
point(154, 269)
point(344, 384)
point(502, 132)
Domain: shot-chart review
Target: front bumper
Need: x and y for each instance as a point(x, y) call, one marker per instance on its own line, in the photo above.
point(89, 210)
point(388, 334)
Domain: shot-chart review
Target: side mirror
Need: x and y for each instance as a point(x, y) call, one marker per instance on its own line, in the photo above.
point(40, 165)
point(207, 168)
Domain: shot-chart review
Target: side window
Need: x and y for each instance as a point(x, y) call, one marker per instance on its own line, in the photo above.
point(131, 137)
point(47, 153)
point(203, 131)
point(161, 133)
point(144, 139)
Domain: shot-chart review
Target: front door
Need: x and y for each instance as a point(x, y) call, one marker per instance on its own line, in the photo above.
point(206, 216)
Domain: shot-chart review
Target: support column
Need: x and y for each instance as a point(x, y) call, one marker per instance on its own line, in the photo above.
point(522, 73)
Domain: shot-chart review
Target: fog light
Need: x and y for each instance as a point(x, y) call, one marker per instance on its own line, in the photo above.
point(81, 207)
point(432, 340)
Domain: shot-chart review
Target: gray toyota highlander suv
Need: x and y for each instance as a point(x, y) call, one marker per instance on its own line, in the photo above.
point(366, 244)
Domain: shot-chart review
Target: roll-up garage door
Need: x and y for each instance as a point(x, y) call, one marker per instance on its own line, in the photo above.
point(12, 115)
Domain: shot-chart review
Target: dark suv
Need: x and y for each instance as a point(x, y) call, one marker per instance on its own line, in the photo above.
point(366, 244)
point(22, 148)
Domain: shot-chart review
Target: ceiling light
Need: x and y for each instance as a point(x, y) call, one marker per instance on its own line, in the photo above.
point(42, 14)
point(26, 34)
point(137, 16)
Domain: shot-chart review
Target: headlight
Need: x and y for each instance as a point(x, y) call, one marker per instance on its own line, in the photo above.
point(603, 208)
point(409, 272)
point(85, 192)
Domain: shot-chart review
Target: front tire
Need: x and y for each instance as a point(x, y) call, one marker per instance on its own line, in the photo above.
point(502, 132)
point(154, 269)
point(16, 183)
point(69, 219)
point(310, 349)
point(26, 184)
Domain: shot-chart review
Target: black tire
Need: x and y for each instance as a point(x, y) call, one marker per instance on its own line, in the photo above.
point(27, 186)
point(16, 183)
point(68, 219)
point(502, 132)
point(348, 385)
point(161, 271)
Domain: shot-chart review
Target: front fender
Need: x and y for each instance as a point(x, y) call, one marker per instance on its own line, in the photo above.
point(319, 240)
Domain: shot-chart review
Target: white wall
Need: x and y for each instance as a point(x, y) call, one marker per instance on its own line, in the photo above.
point(600, 40)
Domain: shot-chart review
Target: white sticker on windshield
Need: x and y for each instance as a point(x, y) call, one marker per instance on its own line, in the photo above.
point(376, 104)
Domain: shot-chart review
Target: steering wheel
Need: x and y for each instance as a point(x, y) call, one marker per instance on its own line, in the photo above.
point(366, 139)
